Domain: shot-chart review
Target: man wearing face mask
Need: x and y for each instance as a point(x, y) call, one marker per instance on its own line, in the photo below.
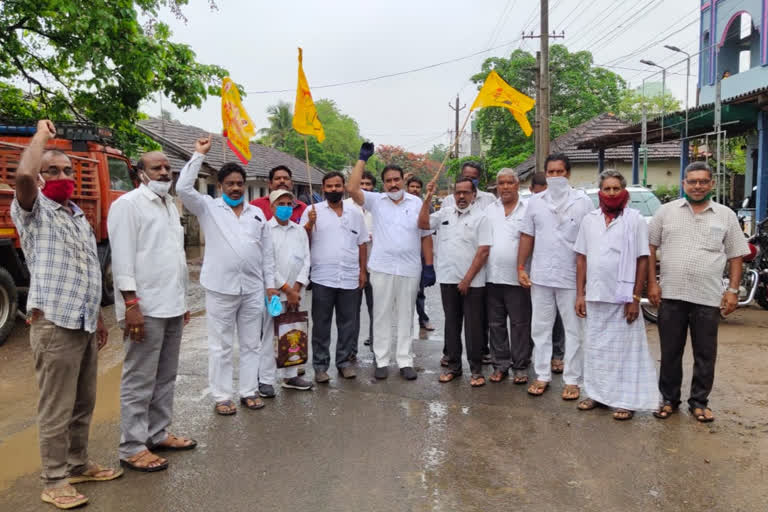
point(280, 178)
point(150, 271)
point(238, 271)
point(472, 170)
point(395, 263)
point(63, 305)
point(291, 276)
point(549, 230)
point(339, 255)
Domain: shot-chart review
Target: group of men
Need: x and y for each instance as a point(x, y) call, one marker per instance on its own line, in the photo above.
point(500, 262)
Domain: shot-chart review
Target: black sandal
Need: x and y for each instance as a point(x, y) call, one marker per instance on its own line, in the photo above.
point(256, 402)
point(701, 417)
point(666, 410)
point(230, 408)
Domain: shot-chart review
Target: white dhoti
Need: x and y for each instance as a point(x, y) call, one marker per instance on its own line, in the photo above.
point(394, 301)
point(224, 313)
point(618, 369)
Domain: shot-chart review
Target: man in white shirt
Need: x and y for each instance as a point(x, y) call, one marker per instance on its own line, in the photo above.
point(395, 263)
point(507, 300)
point(552, 220)
point(339, 253)
point(367, 182)
point(463, 243)
point(472, 170)
point(238, 271)
point(414, 186)
point(291, 276)
point(150, 272)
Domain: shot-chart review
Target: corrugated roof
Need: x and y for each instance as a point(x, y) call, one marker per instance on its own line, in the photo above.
point(599, 126)
point(178, 142)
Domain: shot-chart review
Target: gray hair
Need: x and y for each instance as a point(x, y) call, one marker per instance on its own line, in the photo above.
point(611, 173)
point(506, 171)
point(698, 166)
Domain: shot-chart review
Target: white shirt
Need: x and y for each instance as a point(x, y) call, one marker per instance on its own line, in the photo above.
point(482, 199)
point(397, 247)
point(349, 202)
point(291, 245)
point(554, 261)
point(505, 233)
point(458, 237)
point(239, 258)
point(336, 245)
point(147, 241)
point(602, 245)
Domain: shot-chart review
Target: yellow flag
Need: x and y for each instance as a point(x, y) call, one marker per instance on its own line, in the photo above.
point(305, 119)
point(238, 126)
point(498, 93)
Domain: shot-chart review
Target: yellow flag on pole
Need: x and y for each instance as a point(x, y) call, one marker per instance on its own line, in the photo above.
point(498, 93)
point(305, 119)
point(238, 126)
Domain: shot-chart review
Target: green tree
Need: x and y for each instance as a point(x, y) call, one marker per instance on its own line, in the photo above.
point(579, 92)
point(342, 135)
point(630, 108)
point(94, 60)
point(438, 152)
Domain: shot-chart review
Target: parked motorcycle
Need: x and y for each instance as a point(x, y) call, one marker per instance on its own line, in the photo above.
point(754, 277)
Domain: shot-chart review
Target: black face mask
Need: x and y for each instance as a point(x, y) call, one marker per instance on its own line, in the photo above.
point(334, 197)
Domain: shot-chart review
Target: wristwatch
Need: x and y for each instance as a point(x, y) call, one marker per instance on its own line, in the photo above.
point(732, 290)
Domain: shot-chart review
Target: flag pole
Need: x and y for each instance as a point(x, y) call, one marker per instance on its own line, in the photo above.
point(455, 144)
point(309, 173)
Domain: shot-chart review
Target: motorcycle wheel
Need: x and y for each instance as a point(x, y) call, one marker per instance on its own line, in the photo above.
point(650, 312)
point(761, 296)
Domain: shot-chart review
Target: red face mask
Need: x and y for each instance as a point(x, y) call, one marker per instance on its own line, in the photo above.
point(613, 206)
point(58, 190)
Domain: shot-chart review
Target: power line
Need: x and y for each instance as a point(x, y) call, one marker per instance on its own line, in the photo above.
point(565, 18)
point(390, 75)
point(634, 53)
point(617, 31)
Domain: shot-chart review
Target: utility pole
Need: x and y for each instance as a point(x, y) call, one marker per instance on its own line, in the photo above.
point(456, 109)
point(537, 123)
point(542, 91)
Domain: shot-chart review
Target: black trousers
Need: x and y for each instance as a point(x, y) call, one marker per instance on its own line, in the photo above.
point(468, 309)
point(420, 298)
point(346, 304)
point(558, 338)
point(368, 291)
point(510, 349)
point(676, 317)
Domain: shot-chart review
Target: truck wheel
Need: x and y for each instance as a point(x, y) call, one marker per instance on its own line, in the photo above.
point(8, 304)
point(107, 285)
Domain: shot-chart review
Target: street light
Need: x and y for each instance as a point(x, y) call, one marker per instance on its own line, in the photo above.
point(663, 90)
point(687, 76)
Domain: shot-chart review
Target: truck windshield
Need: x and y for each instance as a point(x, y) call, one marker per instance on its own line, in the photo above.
point(119, 177)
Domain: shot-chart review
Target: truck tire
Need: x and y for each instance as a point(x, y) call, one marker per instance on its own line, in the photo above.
point(8, 304)
point(107, 285)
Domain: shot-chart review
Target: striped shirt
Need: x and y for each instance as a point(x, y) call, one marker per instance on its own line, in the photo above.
point(65, 275)
point(694, 250)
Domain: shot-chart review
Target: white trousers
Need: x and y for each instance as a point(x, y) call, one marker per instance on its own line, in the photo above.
point(268, 370)
point(224, 314)
point(394, 302)
point(545, 301)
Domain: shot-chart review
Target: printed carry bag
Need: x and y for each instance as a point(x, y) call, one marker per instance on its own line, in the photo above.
point(291, 339)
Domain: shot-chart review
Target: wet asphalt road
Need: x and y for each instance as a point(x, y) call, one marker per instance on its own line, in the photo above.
point(360, 444)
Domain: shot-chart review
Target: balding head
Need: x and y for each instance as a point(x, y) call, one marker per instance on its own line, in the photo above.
point(155, 165)
point(55, 164)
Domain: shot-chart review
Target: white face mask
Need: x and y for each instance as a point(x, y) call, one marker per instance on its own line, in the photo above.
point(463, 210)
point(396, 195)
point(558, 185)
point(161, 188)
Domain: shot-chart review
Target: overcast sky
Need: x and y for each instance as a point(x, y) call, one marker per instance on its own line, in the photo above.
point(347, 40)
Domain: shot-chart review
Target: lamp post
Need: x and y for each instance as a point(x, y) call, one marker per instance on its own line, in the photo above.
point(687, 77)
point(663, 90)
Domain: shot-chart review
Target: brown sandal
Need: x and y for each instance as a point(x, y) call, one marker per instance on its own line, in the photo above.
point(54, 497)
point(476, 381)
point(448, 377)
point(143, 461)
point(623, 414)
point(558, 366)
point(498, 376)
point(226, 407)
point(538, 387)
point(174, 443)
point(665, 411)
point(91, 474)
point(571, 392)
point(700, 413)
point(588, 404)
point(520, 377)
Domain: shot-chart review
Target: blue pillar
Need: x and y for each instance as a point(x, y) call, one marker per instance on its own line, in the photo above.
point(761, 205)
point(684, 151)
point(635, 163)
point(600, 160)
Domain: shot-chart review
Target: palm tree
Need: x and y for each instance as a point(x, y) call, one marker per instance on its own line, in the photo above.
point(280, 124)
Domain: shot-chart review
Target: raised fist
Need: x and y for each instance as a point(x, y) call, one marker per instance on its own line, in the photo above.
point(366, 151)
point(46, 129)
point(203, 145)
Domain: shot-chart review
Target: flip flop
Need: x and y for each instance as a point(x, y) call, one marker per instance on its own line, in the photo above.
point(448, 377)
point(94, 469)
point(160, 447)
point(701, 417)
point(665, 411)
point(51, 495)
point(226, 408)
point(131, 464)
point(477, 381)
point(256, 402)
point(538, 387)
point(618, 414)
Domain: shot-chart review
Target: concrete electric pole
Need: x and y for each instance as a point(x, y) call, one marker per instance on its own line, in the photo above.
point(456, 109)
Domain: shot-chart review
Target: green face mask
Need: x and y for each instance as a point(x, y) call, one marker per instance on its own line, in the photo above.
point(693, 201)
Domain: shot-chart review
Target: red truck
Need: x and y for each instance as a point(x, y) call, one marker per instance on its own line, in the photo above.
point(102, 174)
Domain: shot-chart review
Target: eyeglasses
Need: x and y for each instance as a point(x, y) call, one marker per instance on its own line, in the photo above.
point(55, 171)
point(693, 183)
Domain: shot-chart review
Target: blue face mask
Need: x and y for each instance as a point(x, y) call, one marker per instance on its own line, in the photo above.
point(232, 202)
point(476, 182)
point(284, 212)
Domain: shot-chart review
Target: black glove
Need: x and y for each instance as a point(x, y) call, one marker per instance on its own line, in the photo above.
point(428, 277)
point(366, 151)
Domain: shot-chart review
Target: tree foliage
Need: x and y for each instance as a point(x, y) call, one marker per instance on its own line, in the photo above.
point(630, 108)
point(93, 60)
point(579, 92)
point(421, 165)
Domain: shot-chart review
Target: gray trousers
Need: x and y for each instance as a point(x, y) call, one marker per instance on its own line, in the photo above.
point(65, 367)
point(510, 349)
point(146, 389)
